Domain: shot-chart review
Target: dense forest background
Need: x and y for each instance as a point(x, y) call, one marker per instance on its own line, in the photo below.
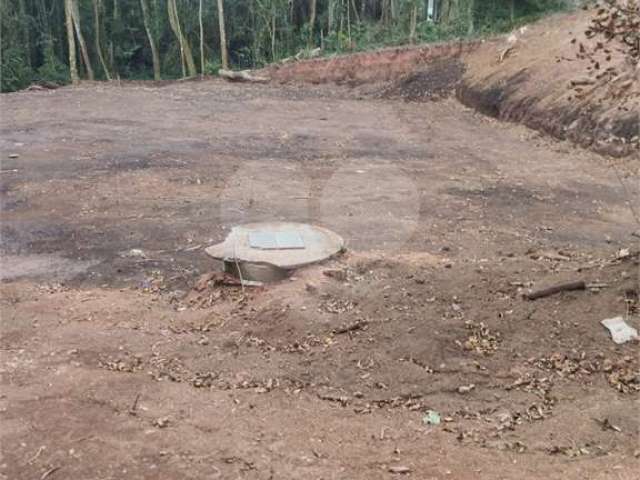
point(60, 41)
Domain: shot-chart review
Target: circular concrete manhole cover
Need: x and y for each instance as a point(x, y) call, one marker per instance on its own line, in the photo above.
point(268, 251)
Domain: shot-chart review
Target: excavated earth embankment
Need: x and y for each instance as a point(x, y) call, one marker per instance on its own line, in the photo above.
point(525, 77)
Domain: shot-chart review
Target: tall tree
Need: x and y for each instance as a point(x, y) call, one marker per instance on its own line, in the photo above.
point(71, 41)
point(75, 16)
point(185, 49)
point(155, 57)
point(224, 54)
point(201, 39)
point(97, 6)
point(413, 21)
point(26, 38)
point(312, 19)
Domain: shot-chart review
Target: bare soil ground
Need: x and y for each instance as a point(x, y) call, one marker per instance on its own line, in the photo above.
point(118, 363)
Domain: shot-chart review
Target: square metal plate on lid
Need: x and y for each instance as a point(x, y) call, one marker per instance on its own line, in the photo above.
point(270, 240)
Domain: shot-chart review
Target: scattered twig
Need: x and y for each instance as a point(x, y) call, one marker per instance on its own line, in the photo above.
point(606, 425)
point(563, 287)
point(49, 472)
point(35, 457)
point(134, 407)
point(505, 53)
point(350, 328)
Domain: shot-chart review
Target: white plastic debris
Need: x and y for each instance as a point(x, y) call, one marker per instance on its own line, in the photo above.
point(623, 253)
point(134, 253)
point(620, 331)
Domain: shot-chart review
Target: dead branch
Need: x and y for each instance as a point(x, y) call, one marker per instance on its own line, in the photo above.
point(350, 328)
point(563, 287)
point(505, 53)
point(241, 76)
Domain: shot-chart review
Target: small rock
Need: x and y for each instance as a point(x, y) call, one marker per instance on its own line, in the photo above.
point(310, 287)
point(466, 388)
point(135, 253)
point(337, 273)
point(13, 155)
point(161, 422)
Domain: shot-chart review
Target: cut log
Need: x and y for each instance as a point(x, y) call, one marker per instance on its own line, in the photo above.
point(563, 287)
point(241, 76)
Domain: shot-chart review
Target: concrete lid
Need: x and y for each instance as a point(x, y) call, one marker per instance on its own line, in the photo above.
point(286, 245)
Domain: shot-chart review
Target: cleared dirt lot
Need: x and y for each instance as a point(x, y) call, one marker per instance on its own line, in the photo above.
point(114, 366)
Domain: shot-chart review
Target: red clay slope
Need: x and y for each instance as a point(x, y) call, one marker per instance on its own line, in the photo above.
point(367, 67)
point(532, 85)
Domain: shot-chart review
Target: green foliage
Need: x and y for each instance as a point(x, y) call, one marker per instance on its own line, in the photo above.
point(53, 70)
point(212, 66)
point(16, 74)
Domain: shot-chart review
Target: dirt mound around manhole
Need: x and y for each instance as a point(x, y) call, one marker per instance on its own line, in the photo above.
point(531, 77)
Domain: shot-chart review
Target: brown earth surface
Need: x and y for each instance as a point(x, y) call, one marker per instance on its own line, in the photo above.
point(117, 362)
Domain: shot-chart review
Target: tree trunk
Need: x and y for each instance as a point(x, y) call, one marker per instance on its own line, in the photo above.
point(112, 57)
point(330, 16)
point(224, 55)
point(49, 52)
point(312, 20)
point(431, 10)
point(175, 28)
point(96, 16)
point(201, 39)
point(470, 14)
point(73, 67)
point(152, 42)
point(273, 35)
point(25, 32)
point(414, 22)
point(355, 11)
point(349, 25)
point(185, 49)
point(384, 14)
point(75, 16)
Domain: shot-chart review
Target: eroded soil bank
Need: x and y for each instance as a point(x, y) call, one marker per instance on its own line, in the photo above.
point(525, 77)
